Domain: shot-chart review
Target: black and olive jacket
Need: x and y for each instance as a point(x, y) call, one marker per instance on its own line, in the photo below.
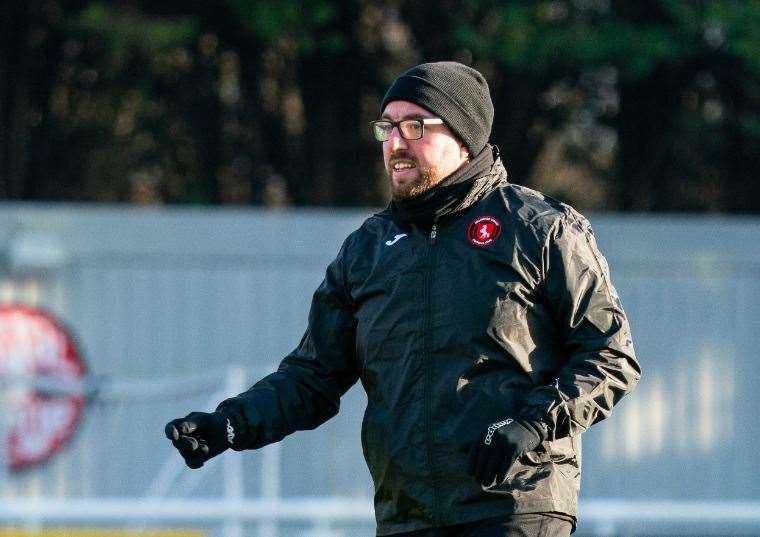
point(449, 332)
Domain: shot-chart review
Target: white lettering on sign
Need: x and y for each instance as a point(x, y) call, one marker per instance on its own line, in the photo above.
point(34, 344)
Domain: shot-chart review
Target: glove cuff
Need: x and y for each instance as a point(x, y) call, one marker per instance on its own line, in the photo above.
point(539, 429)
point(538, 418)
point(235, 428)
point(246, 421)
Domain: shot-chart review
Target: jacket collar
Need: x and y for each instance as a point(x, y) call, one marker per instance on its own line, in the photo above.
point(462, 189)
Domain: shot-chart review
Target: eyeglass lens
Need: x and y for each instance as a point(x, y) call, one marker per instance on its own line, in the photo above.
point(410, 129)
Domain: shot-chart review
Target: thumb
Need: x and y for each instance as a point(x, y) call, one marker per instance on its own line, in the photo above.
point(182, 426)
point(171, 432)
point(188, 426)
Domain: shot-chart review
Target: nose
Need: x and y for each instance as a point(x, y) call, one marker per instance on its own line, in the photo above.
point(396, 140)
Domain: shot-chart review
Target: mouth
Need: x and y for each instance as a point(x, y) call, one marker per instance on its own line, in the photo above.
point(402, 165)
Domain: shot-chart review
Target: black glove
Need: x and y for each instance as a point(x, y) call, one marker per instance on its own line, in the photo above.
point(493, 455)
point(200, 436)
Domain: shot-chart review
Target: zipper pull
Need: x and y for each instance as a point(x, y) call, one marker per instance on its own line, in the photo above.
point(433, 233)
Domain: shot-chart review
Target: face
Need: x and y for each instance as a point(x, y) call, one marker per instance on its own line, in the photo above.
point(415, 166)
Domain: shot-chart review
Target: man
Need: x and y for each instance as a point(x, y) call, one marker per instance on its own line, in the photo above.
point(479, 316)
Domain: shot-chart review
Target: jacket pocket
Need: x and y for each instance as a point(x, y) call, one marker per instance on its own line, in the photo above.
point(562, 455)
point(562, 450)
point(558, 451)
point(521, 477)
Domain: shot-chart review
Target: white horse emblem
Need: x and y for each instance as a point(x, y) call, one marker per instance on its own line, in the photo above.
point(483, 231)
point(395, 239)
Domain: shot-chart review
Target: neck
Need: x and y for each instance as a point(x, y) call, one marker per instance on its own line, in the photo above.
point(446, 195)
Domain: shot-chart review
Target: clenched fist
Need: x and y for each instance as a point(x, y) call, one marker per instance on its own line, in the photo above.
point(200, 436)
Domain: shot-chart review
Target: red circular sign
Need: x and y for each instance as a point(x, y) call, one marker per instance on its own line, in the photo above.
point(33, 344)
point(484, 231)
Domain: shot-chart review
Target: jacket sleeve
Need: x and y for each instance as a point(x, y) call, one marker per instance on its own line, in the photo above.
point(305, 390)
point(600, 365)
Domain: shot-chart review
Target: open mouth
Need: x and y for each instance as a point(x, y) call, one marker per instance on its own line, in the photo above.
point(402, 165)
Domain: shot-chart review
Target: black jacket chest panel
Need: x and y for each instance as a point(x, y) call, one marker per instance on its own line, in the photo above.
point(467, 302)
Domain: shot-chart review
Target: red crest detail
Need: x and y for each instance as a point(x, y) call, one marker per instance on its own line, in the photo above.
point(484, 231)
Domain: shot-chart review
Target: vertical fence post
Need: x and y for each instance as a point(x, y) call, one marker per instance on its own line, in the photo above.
point(4, 433)
point(270, 485)
point(234, 490)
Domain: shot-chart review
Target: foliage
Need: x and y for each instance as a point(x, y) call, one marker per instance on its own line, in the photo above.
point(607, 104)
point(305, 23)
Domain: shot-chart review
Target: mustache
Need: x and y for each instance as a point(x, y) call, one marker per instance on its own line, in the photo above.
point(401, 154)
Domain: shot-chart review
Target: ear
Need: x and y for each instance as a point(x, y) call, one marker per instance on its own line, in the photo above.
point(464, 153)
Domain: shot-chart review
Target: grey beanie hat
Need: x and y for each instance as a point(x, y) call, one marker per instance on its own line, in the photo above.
point(458, 94)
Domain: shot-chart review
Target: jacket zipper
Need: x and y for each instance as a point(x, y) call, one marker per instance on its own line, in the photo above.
point(427, 364)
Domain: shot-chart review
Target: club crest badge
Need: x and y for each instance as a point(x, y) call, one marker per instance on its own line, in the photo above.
point(483, 231)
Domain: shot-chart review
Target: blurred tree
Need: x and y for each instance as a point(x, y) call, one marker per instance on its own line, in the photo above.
point(28, 45)
point(652, 105)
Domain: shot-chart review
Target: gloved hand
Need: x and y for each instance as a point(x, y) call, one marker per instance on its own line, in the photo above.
point(502, 443)
point(200, 436)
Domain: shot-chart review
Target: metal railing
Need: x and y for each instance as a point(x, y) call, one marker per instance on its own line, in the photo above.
point(165, 500)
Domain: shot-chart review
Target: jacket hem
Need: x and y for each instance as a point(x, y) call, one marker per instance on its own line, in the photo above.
point(485, 512)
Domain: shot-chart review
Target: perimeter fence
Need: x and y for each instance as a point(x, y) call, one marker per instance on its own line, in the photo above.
point(173, 310)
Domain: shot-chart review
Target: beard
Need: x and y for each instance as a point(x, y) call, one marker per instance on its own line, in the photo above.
point(427, 178)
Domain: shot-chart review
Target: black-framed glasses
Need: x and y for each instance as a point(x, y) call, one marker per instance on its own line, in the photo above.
point(410, 129)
